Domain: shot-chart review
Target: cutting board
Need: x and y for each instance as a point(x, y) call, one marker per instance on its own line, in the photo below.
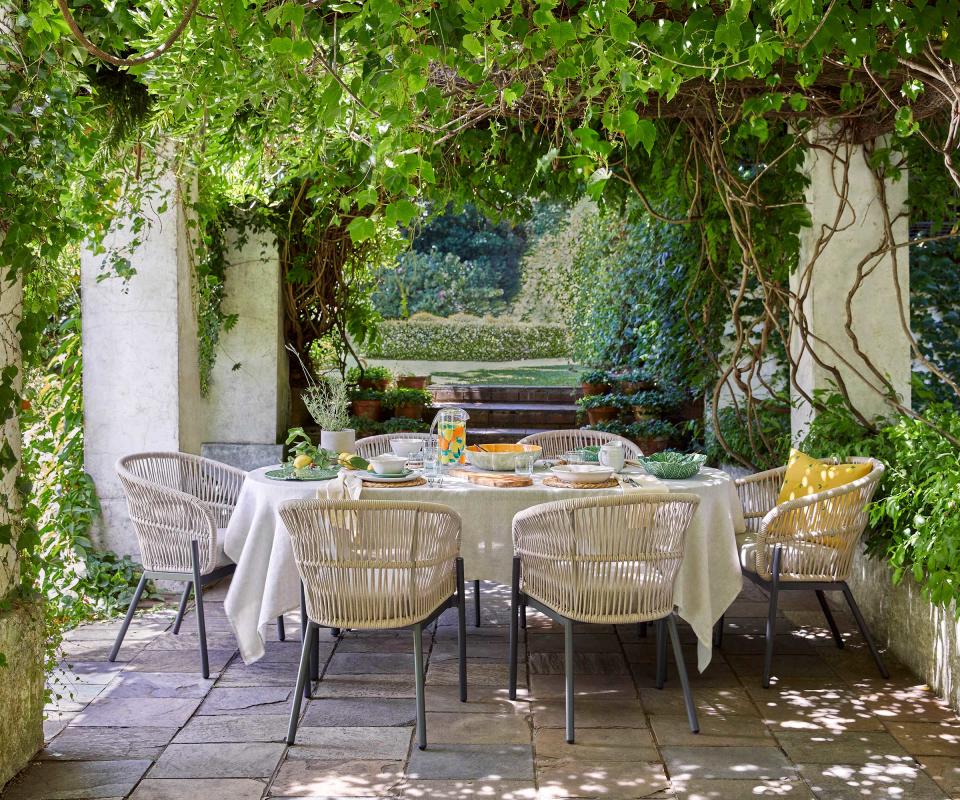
point(501, 479)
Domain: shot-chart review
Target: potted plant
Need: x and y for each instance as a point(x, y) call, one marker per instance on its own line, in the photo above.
point(407, 402)
point(404, 425)
point(413, 381)
point(594, 382)
point(366, 403)
point(376, 378)
point(613, 426)
point(367, 427)
point(652, 435)
point(600, 407)
point(634, 379)
point(327, 401)
point(303, 453)
point(646, 404)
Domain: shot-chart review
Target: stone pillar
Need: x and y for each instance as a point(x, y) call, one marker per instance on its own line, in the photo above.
point(247, 400)
point(141, 384)
point(11, 310)
point(824, 287)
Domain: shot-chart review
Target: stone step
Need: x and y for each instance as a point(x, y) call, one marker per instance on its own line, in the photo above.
point(456, 393)
point(548, 416)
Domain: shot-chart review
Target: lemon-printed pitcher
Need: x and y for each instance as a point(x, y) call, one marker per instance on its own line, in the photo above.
point(450, 425)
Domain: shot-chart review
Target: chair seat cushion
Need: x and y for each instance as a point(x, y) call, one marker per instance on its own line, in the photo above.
point(798, 560)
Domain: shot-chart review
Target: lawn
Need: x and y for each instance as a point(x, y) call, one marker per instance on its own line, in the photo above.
point(556, 375)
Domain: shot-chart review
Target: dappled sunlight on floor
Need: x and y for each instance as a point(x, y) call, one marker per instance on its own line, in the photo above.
point(149, 728)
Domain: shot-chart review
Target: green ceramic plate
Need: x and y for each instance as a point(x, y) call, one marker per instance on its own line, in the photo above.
point(288, 473)
point(673, 466)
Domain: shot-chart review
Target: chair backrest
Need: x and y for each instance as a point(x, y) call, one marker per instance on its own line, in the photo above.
point(608, 560)
point(376, 445)
point(373, 563)
point(556, 443)
point(173, 500)
point(818, 534)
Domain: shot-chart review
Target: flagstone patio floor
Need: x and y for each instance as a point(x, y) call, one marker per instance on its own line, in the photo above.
point(149, 728)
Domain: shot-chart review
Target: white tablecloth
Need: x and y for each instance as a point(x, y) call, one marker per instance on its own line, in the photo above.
point(266, 583)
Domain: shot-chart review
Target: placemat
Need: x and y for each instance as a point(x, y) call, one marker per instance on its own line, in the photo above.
point(418, 481)
point(559, 484)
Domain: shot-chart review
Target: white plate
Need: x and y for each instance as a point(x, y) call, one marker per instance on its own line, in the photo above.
point(583, 473)
point(372, 476)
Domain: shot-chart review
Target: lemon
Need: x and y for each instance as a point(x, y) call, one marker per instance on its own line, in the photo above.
point(302, 461)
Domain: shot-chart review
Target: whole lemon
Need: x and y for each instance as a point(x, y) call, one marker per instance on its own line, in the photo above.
point(302, 461)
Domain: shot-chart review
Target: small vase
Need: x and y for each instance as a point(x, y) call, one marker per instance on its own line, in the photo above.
point(338, 441)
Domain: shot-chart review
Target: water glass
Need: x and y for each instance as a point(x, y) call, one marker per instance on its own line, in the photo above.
point(432, 466)
point(523, 463)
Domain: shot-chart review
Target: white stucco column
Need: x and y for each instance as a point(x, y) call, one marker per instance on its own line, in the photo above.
point(247, 399)
point(850, 202)
point(141, 384)
point(11, 309)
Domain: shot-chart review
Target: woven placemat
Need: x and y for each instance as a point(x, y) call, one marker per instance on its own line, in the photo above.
point(418, 481)
point(559, 484)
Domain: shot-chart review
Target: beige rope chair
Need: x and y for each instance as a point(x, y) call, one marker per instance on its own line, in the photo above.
point(179, 504)
point(556, 443)
point(374, 564)
point(609, 561)
point(375, 445)
point(805, 544)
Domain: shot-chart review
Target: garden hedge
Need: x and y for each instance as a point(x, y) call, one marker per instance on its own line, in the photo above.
point(464, 338)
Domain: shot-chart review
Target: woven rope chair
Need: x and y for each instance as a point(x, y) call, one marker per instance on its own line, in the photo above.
point(178, 505)
point(609, 561)
point(376, 445)
point(805, 544)
point(373, 564)
point(556, 443)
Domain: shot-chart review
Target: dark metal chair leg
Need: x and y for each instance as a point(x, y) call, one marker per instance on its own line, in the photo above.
point(421, 704)
point(568, 670)
point(461, 630)
point(661, 653)
point(682, 673)
point(829, 617)
point(514, 633)
point(523, 615)
point(134, 601)
point(476, 604)
point(315, 658)
point(642, 630)
point(201, 623)
point(771, 618)
point(308, 633)
point(304, 628)
point(718, 633)
point(281, 630)
point(864, 630)
point(183, 607)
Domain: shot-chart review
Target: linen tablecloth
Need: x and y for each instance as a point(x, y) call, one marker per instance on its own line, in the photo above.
point(266, 583)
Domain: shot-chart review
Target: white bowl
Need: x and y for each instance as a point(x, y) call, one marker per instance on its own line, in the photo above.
point(582, 473)
point(406, 447)
point(387, 464)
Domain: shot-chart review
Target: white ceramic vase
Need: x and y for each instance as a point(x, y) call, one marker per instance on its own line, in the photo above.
point(338, 441)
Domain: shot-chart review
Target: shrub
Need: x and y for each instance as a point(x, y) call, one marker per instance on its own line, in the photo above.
point(369, 374)
point(402, 396)
point(603, 401)
point(652, 428)
point(404, 425)
point(465, 338)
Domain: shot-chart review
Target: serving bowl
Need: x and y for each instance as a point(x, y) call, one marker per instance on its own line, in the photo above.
point(499, 457)
point(406, 447)
point(672, 466)
point(387, 464)
point(582, 473)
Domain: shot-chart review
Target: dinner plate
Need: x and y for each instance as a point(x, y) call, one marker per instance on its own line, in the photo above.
point(288, 473)
point(374, 478)
point(583, 473)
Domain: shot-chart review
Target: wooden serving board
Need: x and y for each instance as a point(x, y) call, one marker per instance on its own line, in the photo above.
point(501, 479)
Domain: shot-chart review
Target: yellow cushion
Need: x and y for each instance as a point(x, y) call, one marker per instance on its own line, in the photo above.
point(806, 475)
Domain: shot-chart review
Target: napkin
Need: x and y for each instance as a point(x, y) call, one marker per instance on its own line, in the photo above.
point(346, 486)
point(647, 483)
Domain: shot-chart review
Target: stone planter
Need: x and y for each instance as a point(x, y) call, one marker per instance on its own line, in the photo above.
point(413, 382)
point(366, 409)
point(409, 410)
point(602, 414)
point(338, 441)
point(594, 388)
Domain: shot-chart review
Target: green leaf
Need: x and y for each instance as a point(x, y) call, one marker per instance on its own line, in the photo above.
point(622, 28)
point(402, 212)
point(361, 229)
point(646, 134)
point(472, 45)
point(281, 44)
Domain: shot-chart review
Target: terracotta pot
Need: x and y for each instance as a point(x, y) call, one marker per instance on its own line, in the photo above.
point(409, 410)
point(594, 388)
point(377, 385)
point(366, 409)
point(652, 444)
point(413, 382)
point(642, 413)
point(602, 414)
point(692, 409)
point(632, 387)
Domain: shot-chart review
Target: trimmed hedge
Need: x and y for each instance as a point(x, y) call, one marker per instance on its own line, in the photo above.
point(464, 338)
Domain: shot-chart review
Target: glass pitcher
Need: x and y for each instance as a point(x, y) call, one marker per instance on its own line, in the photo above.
point(450, 427)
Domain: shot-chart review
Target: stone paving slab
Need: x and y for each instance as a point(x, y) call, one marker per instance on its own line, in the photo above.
point(199, 789)
point(497, 728)
point(742, 790)
point(593, 745)
point(159, 684)
point(107, 744)
point(334, 779)
point(460, 790)
point(330, 744)
point(848, 747)
point(136, 712)
point(183, 661)
point(246, 700)
point(360, 711)
point(737, 763)
point(224, 760)
point(617, 780)
point(471, 761)
point(715, 731)
point(76, 780)
point(844, 782)
point(243, 728)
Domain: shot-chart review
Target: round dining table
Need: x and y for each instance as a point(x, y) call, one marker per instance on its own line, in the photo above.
point(266, 583)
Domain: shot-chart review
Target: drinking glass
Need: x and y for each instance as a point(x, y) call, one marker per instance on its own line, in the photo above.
point(523, 463)
point(432, 466)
